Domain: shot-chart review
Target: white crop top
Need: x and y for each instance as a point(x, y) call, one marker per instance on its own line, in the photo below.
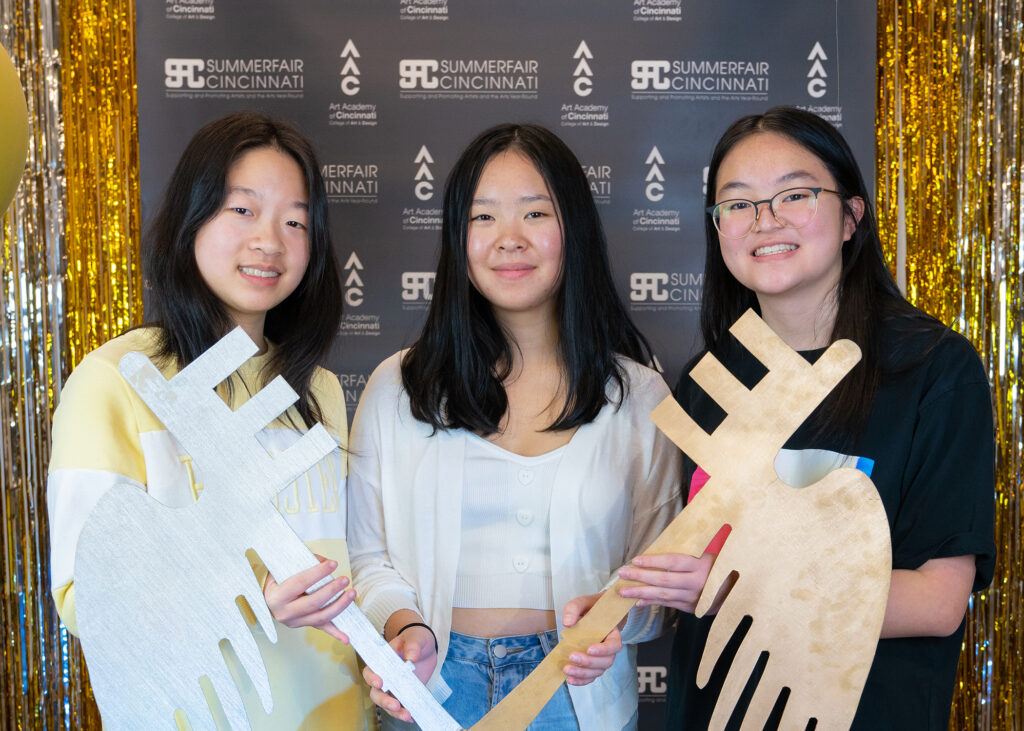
point(505, 555)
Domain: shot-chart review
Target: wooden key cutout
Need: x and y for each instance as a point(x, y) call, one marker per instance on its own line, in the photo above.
point(813, 563)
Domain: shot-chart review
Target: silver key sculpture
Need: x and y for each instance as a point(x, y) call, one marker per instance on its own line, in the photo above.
point(156, 587)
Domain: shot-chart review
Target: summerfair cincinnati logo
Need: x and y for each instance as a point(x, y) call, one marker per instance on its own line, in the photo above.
point(463, 78)
point(234, 76)
point(417, 289)
point(351, 182)
point(699, 79)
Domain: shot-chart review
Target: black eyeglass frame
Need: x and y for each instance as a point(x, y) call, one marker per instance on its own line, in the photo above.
point(757, 210)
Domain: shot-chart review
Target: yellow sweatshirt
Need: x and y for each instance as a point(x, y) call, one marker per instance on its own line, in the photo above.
point(103, 434)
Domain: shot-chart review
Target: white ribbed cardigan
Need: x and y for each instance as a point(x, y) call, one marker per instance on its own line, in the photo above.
point(616, 488)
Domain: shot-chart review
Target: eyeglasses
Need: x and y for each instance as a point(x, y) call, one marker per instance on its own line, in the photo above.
point(793, 207)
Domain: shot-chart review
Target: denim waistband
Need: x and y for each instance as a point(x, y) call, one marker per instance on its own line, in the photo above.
point(502, 651)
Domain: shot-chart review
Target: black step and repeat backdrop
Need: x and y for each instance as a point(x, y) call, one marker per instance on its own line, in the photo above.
point(390, 91)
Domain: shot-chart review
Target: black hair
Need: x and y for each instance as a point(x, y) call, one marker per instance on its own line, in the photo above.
point(867, 294)
point(455, 370)
point(190, 315)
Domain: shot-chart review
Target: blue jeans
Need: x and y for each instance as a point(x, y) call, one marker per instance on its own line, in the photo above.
point(482, 671)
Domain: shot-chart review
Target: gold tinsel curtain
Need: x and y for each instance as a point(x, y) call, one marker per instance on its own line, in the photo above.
point(949, 144)
point(949, 149)
point(71, 281)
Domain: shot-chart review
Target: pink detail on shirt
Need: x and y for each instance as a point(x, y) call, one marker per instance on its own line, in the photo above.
point(699, 479)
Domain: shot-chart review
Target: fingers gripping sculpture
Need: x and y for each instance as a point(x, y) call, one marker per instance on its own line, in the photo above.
point(817, 608)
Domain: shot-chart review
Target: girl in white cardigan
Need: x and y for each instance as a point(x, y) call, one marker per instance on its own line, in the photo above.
point(504, 468)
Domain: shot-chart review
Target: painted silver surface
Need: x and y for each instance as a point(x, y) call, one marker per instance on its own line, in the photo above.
point(156, 586)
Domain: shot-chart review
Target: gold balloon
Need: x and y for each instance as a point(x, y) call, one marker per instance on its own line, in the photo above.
point(13, 130)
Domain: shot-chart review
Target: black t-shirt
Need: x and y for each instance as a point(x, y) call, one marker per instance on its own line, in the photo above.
point(930, 436)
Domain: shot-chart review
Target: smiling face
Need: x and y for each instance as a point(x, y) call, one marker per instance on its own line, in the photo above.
point(514, 239)
point(780, 264)
point(253, 253)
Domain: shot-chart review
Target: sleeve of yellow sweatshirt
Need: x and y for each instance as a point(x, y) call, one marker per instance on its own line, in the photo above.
point(96, 444)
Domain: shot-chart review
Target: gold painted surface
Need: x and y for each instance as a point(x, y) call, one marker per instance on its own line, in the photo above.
point(950, 91)
point(70, 281)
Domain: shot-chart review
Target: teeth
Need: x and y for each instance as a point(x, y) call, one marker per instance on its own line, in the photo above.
point(776, 249)
point(253, 272)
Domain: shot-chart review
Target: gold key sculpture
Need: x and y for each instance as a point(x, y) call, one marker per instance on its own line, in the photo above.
point(813, 564)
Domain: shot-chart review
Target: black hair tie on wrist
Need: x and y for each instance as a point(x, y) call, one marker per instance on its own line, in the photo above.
point(420, 624)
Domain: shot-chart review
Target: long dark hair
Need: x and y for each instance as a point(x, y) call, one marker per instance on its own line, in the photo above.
point(455, 371)
point(190, 315)
point(867, 294)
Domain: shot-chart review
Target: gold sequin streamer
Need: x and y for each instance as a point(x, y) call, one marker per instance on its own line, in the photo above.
point(32, 668)
point(70, 281)
point(951, 132)
point(104, 280)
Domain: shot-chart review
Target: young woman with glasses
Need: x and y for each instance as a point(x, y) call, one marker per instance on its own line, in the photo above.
point(791, 234)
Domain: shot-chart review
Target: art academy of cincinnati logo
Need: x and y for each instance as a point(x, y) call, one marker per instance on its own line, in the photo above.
point(583, 82)
point(353, 282)
point(646, 11)
point(575, 114)
point(349, 69)
point(252, 77)
point(817, 87)
point(424, 179)
point(350, 113)
point(463, 78)
point(350, 182)
point(655, 189)
point(189, 10)
point(354, 322)
point(423, 9)
point(655, 219)
point(699, 79)
point(420, 217)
